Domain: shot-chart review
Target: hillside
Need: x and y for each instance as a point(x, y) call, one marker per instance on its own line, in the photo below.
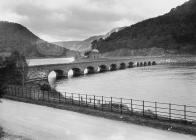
point(14, 36)
point(172, 33)
point(85, 45)
point(81, 46)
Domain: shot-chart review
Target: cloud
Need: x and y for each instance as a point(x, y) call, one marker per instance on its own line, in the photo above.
point(75, 20)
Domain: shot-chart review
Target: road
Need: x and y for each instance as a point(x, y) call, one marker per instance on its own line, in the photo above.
point(34, 122)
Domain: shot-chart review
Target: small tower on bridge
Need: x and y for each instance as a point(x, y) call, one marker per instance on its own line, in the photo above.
point(94, 54)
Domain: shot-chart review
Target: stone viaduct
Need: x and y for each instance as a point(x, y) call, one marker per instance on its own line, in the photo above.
point(78, 68)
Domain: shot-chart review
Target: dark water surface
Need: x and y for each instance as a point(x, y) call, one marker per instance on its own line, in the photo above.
point(163, 83)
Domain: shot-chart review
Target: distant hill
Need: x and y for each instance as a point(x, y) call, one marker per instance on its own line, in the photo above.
point(81, 46)
point(85, 45)
point(14, 36)
point(172, 33)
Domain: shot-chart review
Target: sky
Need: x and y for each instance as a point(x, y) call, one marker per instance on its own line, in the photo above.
point(66, 20)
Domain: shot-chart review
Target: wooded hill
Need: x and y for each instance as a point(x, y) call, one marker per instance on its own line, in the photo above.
point(172, 33)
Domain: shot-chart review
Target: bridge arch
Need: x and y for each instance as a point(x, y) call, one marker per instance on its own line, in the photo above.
point(89, 70)
point(57, 74)
point(102, 68)
point(141, 64)
point(122, 66)
point(130, 65)
point(145, 64)
point(74, 72)
point(113, 67)
point(153, 63)
point(149, 63)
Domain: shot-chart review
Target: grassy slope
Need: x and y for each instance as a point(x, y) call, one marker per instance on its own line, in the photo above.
point(14, 36)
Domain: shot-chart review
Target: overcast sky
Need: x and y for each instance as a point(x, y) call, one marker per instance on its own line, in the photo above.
point(55, 20)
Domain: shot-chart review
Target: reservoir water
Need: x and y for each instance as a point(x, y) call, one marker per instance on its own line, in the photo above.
point(172, 83)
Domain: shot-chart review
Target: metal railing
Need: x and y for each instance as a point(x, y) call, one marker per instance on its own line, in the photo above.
point(155, 110)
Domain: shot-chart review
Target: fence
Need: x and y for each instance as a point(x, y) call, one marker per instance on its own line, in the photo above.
point(155, 110)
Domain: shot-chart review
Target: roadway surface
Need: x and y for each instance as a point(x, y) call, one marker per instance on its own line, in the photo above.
point(28, 121)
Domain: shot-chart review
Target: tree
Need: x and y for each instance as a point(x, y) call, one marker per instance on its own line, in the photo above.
point(14, 71)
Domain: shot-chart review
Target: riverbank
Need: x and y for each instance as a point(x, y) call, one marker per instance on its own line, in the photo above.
point(180, 127)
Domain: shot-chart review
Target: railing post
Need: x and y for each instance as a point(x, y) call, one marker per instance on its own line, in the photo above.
point(72, 98)
point(15, 91)
point(22, 92)
point(38, 94)
point(143, 108)
point(132, 106)
point(59, 97)
point(86, 100)
point(121, 106)
point(43, 94)
point(29, 92)
point(170, 111)
point(65, 97)
point(156, 110)
point(102, 103)
point(185, 112)
point(18, 91)
point(25, 93)
point(35, 93)
point(111, 104)
point(10, 91)
point(79, 98)
point(94, 101)
point(48, 95)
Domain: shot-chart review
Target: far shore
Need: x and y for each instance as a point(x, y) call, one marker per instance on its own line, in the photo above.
point(158, 59)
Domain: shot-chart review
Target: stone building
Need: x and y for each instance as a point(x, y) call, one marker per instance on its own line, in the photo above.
point(94, 54)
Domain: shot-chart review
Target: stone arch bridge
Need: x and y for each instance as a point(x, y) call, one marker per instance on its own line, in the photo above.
point(78, 68)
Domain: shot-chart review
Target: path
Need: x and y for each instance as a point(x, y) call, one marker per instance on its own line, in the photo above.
point(41, 123)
